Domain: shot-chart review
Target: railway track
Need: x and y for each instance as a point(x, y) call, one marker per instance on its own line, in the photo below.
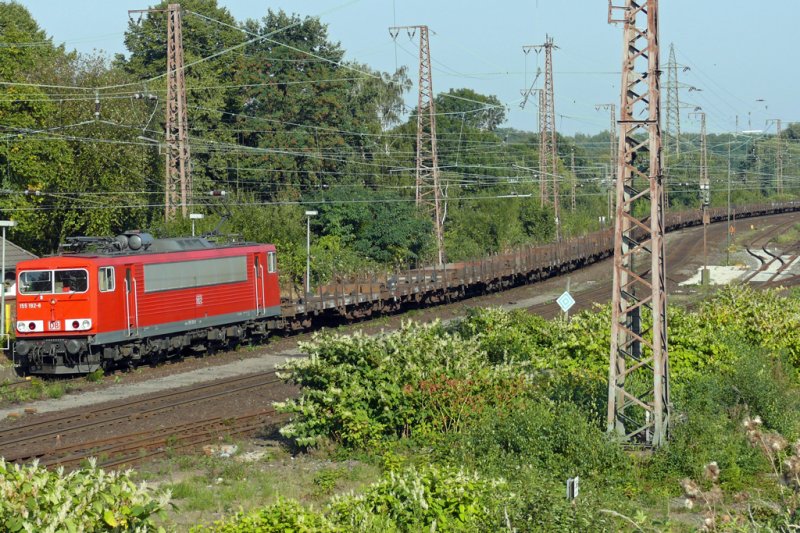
point(760, 245)
point(68, 440)
point(135, 447)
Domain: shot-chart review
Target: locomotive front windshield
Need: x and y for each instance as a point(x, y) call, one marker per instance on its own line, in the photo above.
point(49, 281)
point(36, 282)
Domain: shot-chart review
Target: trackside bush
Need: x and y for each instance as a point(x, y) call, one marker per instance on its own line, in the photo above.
point(426, 499)
point(358, 390)
point(557, 438)
point(712, 408)
point(280, 517)
point(762, 318)
point(33, 499)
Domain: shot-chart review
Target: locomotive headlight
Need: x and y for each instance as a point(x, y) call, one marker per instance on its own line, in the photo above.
point(78, 324)
point(29, 326)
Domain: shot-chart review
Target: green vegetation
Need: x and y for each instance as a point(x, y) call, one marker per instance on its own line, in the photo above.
point(89, 499)
point(519, 403)
point(475, 426)
point(36, 389)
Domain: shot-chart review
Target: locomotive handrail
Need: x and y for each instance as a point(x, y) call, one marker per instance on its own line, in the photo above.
point(255, 285)
point(263, 290)
point(136, 302)
point(128, 305)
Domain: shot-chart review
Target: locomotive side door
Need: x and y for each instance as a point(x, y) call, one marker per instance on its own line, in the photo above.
point(131, 302)
point(258, 284)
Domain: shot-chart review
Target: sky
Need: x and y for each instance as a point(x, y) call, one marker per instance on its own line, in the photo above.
point(735, 49)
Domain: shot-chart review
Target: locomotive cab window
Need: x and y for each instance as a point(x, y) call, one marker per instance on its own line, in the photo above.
point(53, 281)
point(71, 281)
point(36, 282)
point(105, 278)
point(272, 267)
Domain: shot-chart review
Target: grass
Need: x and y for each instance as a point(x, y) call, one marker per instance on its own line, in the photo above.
point(204, 488)
point(38, 389)
point(790, 236)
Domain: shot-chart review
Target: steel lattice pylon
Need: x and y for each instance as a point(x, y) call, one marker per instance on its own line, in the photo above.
point(548, 148)
point(672, 117)
point(638, 384)
point(178, 190)
point(544, 151)
point(428, 189)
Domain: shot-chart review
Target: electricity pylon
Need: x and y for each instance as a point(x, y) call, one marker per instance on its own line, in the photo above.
point(178, 180)
point(548, 149)
point(705, 192)
point(544, 152)
point(612, 134)
point(428, 189)
point(637, 411)
point(672, 117)
point(179, 173)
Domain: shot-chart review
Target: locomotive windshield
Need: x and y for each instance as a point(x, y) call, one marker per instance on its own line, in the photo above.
point(48, 281)
point(36, 282)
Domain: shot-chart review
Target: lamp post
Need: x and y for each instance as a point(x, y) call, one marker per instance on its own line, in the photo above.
point(4, 224)
point(309, 214)
point(193, 217)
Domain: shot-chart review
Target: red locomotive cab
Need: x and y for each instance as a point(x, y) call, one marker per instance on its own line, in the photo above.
point(56, 300)
point(133, 299)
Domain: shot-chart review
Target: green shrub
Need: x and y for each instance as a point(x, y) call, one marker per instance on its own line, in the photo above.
point(35, 499)
point(579, 346)
point(283, 516)
point(96, 376)
point(428, 499)
point(711, 407)
point(358, 390)
point(558, 438)
point(539, 505)
point(761, 317)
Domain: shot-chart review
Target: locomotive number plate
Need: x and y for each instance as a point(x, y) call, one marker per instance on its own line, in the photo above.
point(54, 325)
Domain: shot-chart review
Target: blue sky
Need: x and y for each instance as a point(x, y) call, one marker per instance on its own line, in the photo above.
point(737, 50)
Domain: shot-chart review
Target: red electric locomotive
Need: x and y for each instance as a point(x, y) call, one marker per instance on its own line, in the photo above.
point(135, 298)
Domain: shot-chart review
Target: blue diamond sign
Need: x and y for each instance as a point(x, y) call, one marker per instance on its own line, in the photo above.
point(565, 301)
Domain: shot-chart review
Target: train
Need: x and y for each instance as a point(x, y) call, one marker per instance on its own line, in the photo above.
point(135, 298)
point(105, 303)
